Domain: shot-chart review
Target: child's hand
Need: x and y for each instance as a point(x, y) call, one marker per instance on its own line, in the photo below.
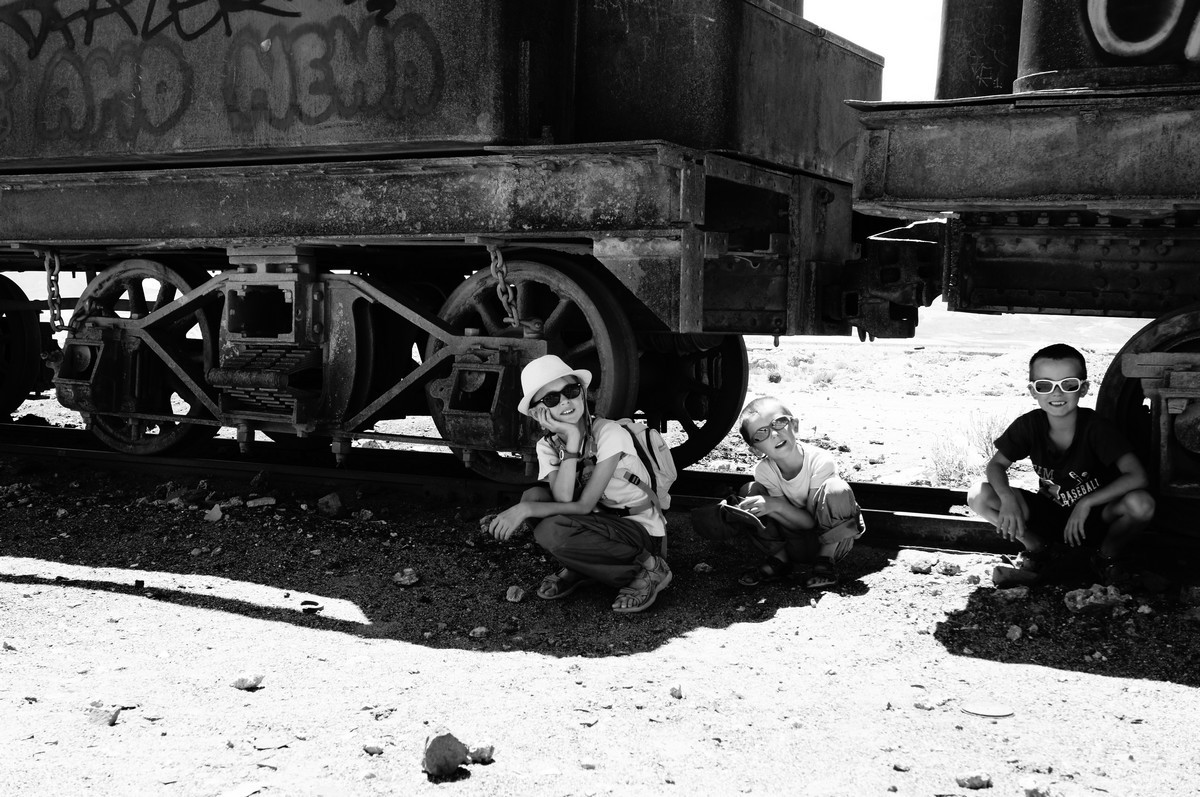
point(756, 505)
point(508, 521)
point(1074, 533)
point(563, 429)
point(1012, 517)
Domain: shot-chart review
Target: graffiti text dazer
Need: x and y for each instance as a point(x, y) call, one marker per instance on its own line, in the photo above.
point(36, 21)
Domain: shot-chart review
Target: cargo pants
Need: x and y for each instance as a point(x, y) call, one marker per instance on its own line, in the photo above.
point(837, 515)
point(606, 547)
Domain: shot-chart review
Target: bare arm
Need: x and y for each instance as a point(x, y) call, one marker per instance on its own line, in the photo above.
point(510, 519)
point(1011, 515)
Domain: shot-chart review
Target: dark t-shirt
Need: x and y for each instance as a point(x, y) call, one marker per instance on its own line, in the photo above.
point(1066, 476)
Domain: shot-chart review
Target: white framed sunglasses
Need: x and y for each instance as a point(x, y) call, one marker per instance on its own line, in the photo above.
point(1044, 387)
point(778, 425)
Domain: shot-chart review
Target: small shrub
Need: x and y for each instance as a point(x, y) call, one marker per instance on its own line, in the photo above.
point(982, 431)
point(800, 359)
point(949, 457)
point(824, 377)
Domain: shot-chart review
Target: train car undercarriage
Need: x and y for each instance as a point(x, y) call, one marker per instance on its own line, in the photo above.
point(336, 296)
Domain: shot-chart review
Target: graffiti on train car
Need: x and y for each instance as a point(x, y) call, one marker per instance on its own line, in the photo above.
point(1134, 28)
point(36, 21)
point(309, 73)
point(134, 88)
point(278, 77)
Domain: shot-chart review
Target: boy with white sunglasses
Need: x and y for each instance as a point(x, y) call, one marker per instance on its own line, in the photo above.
point(1091, 486)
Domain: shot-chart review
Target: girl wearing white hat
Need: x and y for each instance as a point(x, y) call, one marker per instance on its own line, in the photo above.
point(588, 514)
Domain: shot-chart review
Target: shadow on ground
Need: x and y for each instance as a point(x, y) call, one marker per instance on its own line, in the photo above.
point(1148, 630)
point(288, 552)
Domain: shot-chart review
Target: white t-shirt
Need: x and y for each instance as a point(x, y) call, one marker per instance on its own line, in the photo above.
point(818, 467)
point(609, 438)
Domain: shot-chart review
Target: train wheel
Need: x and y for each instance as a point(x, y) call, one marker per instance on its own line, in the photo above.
point(583, 323)
point(698, 382)
point(20, 349)
point(133, 289)
point(1121, 397)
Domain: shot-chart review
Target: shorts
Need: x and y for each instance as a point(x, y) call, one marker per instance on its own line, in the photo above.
point(1047, 520)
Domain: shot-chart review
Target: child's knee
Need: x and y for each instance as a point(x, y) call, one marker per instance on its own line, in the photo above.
point(552, 533)
point(537, 493)
point(979, 494)
point(1139, 506)
point(839, 498)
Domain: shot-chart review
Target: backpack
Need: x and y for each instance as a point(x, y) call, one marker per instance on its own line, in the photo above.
point(655, 454)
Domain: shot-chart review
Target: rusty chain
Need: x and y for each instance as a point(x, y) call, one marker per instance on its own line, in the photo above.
point(503, 289)
point(53, 294)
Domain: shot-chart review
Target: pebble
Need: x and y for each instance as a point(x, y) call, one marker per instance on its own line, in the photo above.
point(1014, 633)
point(248, 681)
point(949, 569)
point(677, 692)
point(254, 503)
point(102, 713)
point(406, 577)
point(214, 514)
point(514, 595)
point(444, 754)
point(330, 505)
point(1013, 594)
point(922, 567)
point(372, 749)
point(974, 781)
point(702, 567)
point(479, 631)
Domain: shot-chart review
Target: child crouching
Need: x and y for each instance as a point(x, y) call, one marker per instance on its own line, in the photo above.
point(800, 510)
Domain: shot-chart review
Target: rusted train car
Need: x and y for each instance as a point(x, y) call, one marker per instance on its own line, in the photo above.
point(304, 218)
point(1063, 145)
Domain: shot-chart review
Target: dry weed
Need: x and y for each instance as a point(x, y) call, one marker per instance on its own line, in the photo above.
point(949, 457)
point(982, 430)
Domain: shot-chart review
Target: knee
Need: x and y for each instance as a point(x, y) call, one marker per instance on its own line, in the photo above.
point(551, 532)
point(978, 496)
point(537, 493)
point(838, 498)
point(1139, 506)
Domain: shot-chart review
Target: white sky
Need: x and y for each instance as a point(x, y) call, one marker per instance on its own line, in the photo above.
point(904, 32)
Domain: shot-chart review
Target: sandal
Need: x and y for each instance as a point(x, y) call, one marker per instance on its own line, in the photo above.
point(772, 569)
point(561, 584)
point(644, 588)
point(824, 574)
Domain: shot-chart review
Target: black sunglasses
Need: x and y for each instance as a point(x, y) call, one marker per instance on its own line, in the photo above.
point(551, 399)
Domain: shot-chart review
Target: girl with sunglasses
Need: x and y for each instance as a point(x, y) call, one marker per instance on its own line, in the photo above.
point(588, 511)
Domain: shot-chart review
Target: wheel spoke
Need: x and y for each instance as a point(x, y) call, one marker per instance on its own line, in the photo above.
point(583, 350)
point(137, 299)
point(166, 295)
point(492, 322)
point(557, 316)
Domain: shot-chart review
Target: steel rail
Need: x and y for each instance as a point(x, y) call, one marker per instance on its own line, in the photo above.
point(895, 515)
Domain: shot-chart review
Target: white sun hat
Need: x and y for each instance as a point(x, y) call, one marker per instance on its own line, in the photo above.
point(542, 372)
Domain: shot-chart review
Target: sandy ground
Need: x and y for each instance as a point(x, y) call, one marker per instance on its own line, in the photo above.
point(869, 689)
